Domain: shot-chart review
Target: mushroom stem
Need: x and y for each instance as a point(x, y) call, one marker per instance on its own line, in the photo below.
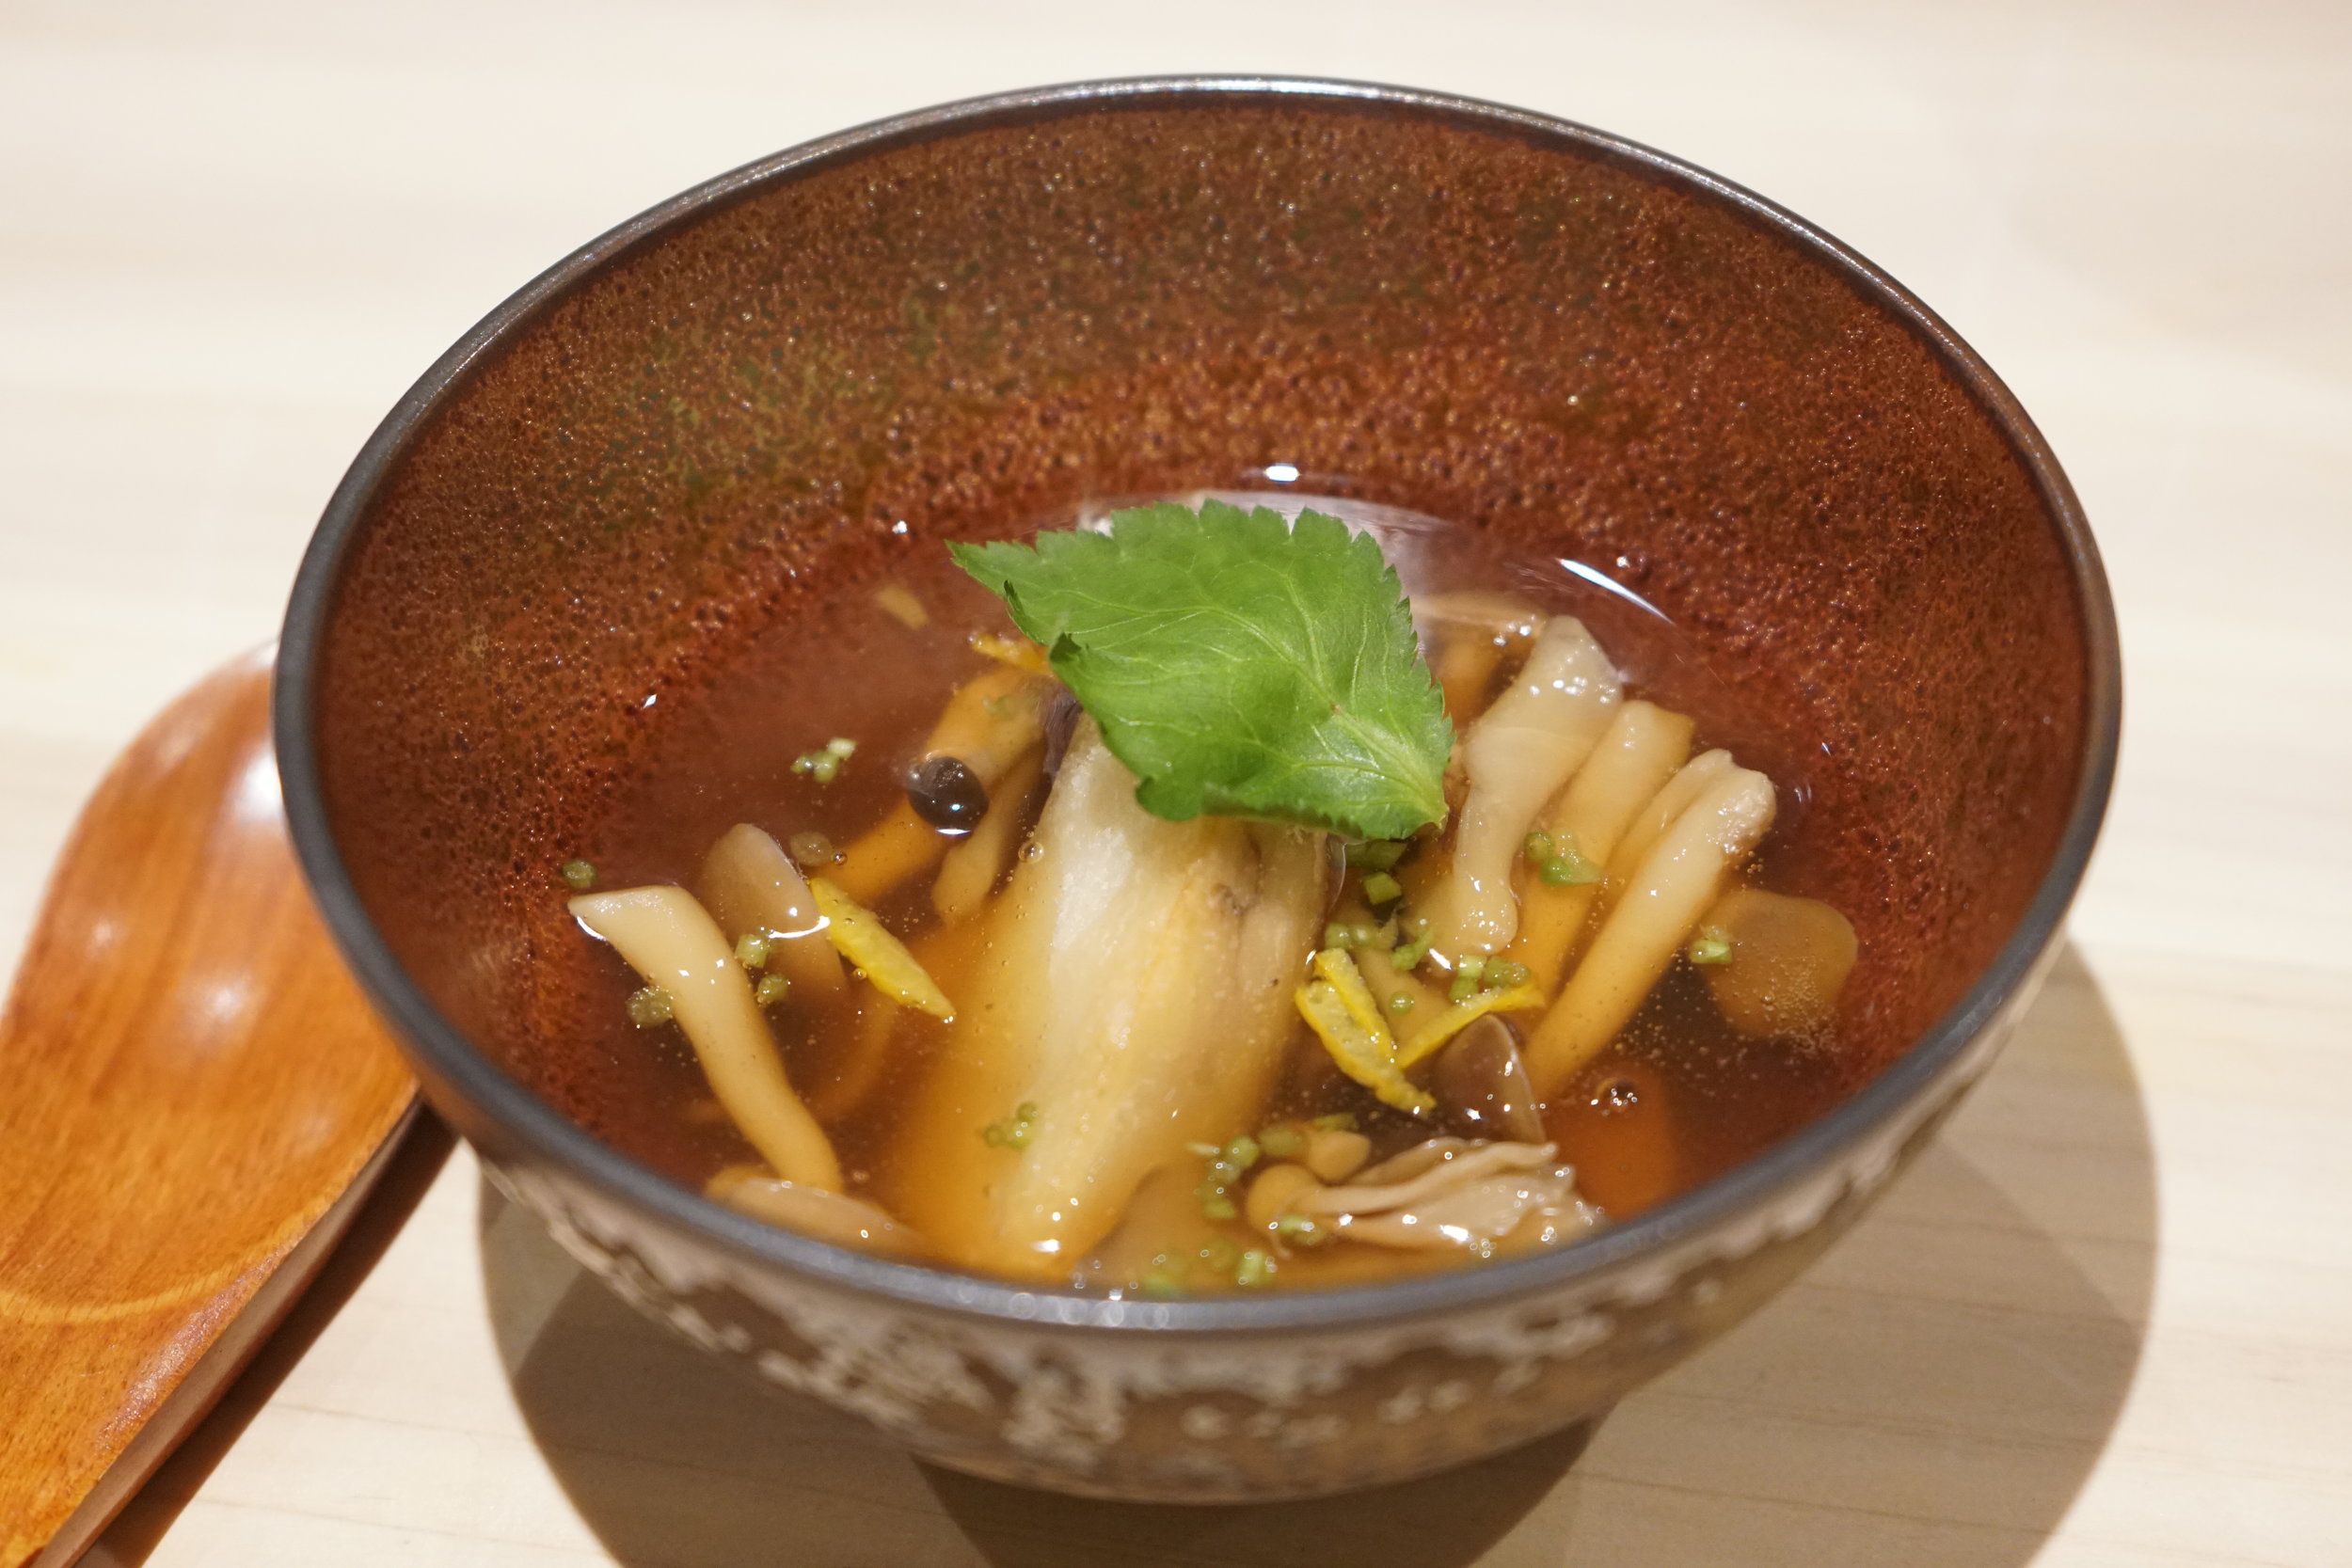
point(750, 886)
point(1518, 754)
point(1643, 748)
point(672, 940)
point(990, 722)
point(1672, 888)
point(972, 867)
point(1674, 797)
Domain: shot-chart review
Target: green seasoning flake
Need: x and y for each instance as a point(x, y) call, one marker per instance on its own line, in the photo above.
point(649, 1007)
point(1282, 1141)
point(1567, 868)
point(1710, 946)
point(579, 876)
point(1503, 974)
point(1300, 1230)
point(1225, 1168)
point(772, 989)
point(1240, 665)
point(1378, 854)
point(1015, 1131)
point(1256, 1268)
point(1161, 1285)
point(1381, 888)
point(1401, 1003)
point(825, 766)
point(1476, 973)
point(751, 950)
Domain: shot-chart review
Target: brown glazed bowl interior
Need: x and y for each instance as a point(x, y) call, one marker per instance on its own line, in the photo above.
point(762, 398)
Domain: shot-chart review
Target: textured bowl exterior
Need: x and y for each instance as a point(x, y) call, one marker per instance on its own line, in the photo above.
point(743, 407)
point(1139, 1413)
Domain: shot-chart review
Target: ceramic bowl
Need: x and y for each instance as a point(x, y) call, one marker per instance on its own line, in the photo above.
point(747, 403)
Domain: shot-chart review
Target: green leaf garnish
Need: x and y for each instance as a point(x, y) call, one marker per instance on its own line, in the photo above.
point(1241, 666)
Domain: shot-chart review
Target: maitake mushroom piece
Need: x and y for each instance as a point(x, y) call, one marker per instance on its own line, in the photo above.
point(1456, 1193)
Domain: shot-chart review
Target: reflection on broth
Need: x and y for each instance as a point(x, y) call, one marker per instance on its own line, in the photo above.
point(923, 975)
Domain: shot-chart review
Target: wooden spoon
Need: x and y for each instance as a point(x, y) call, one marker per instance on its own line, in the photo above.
point(194, 1096)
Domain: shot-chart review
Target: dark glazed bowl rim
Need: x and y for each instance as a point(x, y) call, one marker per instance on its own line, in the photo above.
point(550, 1138)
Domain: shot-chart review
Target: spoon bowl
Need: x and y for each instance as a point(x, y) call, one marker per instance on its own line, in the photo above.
point(193, 1098)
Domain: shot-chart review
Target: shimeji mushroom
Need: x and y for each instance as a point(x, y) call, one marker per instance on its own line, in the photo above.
point(1642, 749)
point(752, 888)
point(668, 938)
point(1518, 754)
point(1669, 890)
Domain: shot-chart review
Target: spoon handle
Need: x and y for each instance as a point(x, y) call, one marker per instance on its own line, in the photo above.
point(194, 1097)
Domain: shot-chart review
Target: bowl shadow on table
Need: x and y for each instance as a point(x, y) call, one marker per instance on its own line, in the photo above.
point(1933, 1393)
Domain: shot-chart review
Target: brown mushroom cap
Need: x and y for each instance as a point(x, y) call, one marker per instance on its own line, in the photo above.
point(1481, 1087)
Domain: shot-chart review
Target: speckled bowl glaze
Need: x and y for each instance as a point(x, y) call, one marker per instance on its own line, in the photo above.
point(738, 407)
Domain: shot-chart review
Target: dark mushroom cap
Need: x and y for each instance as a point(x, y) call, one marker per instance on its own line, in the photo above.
point(946, 794)
point(1481, 1087)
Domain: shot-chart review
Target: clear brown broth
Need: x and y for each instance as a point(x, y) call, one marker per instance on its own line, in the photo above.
point(1680, 1099)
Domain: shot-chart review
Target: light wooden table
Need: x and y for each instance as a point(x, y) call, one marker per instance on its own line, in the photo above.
point(2108, 1321)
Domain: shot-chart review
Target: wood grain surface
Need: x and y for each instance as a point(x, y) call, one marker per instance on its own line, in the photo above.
point(2109, 1319)
point(190, 1086)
